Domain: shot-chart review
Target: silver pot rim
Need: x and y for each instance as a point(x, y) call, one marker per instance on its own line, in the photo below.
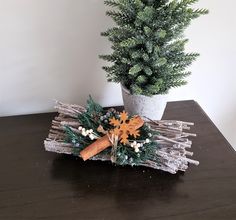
point(127, 91)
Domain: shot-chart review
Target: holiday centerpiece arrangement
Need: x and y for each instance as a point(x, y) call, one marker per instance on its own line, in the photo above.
point(149, 55)
point(95, 133)
point(148, 59)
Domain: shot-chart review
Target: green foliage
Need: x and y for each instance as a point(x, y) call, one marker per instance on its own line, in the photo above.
point(148, 44)
point(96, 116)
point(90, 120)
point(127, 156)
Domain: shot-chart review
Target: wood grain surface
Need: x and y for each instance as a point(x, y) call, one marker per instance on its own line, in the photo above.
point(35, 184)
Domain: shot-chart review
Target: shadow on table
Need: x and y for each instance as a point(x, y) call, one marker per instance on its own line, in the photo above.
point(92, 178)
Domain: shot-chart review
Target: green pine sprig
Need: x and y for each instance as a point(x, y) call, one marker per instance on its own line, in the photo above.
point(96, 116)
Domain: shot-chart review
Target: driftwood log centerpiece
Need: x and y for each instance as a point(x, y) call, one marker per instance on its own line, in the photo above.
point(172, 140)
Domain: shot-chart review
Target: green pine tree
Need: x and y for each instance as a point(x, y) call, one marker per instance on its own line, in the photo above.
point(148, 44)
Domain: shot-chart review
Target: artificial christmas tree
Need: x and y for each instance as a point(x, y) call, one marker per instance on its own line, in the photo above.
point(148, 46)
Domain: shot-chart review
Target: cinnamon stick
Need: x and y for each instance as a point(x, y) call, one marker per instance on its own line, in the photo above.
point(95, 148)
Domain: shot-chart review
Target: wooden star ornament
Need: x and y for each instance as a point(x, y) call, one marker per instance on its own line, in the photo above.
point(125, 127)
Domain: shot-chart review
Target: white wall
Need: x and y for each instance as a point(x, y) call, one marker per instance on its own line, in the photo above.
point(49, 50)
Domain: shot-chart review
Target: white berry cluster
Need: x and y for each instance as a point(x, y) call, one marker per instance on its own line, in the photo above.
point(137, 145)
point(86, 133)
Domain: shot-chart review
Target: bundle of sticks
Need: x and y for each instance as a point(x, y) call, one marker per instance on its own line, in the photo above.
point(173, 144)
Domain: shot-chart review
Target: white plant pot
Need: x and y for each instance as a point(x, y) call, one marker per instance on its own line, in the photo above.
point(151, 107)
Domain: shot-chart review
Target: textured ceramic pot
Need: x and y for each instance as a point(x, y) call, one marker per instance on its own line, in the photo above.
point(151, 107)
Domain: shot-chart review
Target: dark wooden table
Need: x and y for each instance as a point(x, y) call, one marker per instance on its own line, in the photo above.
point(35, 184)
